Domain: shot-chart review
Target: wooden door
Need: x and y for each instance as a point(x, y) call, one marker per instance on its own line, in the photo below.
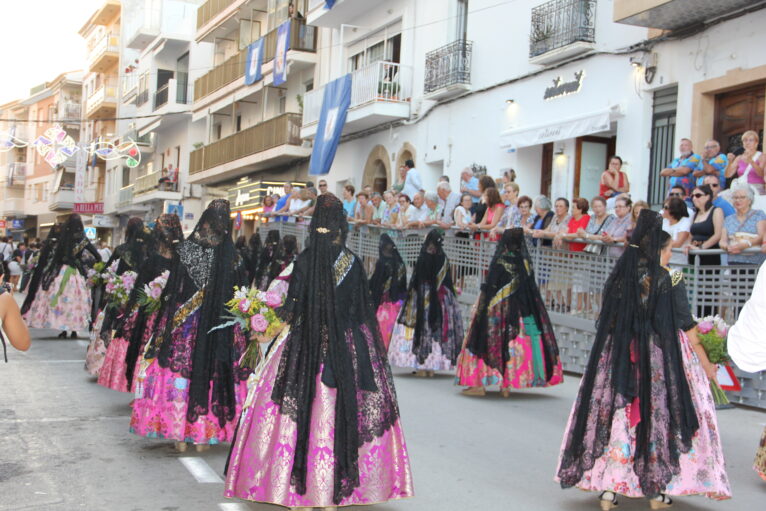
point(546, 171)
point(736, 112)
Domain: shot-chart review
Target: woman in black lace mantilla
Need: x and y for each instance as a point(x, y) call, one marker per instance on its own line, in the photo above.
point(644, 422)
point(325, 399)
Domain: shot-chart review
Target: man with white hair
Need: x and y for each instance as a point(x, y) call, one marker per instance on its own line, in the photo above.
point(418, 212)
point(448, 201)
point(470, 184)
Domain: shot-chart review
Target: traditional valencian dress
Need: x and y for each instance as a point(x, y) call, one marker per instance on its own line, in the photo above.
point(510, 341)
point(747, 347)
point(130, 256)
point(388, 286)
point(266, 256)
point(284, 255)
point(190, 387)
point(644, 422)
point(135, 325)
point(429, 329)
point(62, 301)
point(321, 427)
point(47, 249)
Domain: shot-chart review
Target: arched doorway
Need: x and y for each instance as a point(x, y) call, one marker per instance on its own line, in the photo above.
point(377, 169)
point(407, 152)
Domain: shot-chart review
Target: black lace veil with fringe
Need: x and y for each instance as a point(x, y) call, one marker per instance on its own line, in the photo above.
point(46, 250)
point(390, 276)
point(327, 306)
point(636, 341)
point(69, 251)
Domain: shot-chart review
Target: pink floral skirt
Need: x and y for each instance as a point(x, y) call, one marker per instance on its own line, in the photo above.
point(66, 308)
point(261, 460)
point(525, 367)
point(94, 356)
point(112, 374)
point(703, 471)
point(159, 410)
point(387, 314)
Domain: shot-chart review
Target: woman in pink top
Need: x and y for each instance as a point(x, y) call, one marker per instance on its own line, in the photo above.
point(493, 215)
point(750, 164)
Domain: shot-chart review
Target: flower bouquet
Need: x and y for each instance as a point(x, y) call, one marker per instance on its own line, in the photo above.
point(253, 310)
point(712, 333)
point(149, 296)
point(96, 275)
point(119, 287)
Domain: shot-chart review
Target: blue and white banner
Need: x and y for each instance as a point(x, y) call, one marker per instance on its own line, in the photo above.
point(253, 62)
point(329, 3)
point(335, 103)
point(280, 57)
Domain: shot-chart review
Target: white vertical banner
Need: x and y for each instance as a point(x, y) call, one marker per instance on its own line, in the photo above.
point(81, 159)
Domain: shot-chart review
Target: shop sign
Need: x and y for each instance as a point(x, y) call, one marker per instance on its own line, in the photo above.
point(104, 221)
point(2, 224)
point(247, 194)
point(88, 208)
point(17, 224)
point(561, 88)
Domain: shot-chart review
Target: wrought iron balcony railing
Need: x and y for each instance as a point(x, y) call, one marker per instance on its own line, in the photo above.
point(448, 65)
point(559, 23)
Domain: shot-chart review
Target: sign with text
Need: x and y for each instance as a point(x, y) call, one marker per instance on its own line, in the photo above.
point(88, 208)
point(561, 88)
point(81, 160)
point(105, 221)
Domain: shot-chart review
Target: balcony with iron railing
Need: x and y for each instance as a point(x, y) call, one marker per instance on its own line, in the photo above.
point(266, 144)
point(561, 29)
point(448, 70)
point(103, 101)
point(172, 93)
point(103, 52)
point(17, 174)
point(303, 38)
point(380, 93)
point(69, 110)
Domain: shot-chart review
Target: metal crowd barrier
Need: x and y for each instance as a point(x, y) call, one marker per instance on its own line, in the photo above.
point(571, 284)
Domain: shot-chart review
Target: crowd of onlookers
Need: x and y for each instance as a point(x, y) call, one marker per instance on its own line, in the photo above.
point(695, 212)
point(18, 260)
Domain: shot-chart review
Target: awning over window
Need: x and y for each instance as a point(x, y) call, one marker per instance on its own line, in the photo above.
point(586, 124)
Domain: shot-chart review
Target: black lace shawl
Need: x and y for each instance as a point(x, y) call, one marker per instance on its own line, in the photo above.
point(167, 234)
point(637, 321)
point(326, 307)
point(287, 250)
point(208, 263)
point(511, 278)
point(253, 255)
point(69, 251)
point(136, 249)
point(432, 270)
point(47, 248)
point(267, 253)
point(388, 282)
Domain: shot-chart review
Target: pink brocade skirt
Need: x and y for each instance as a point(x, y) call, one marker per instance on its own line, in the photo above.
point(702, 469)
point(159, 410)
point(387, 314)
point(262, 457)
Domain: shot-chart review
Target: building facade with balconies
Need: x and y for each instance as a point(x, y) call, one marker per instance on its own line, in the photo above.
point(252, 131)
point(549, 88)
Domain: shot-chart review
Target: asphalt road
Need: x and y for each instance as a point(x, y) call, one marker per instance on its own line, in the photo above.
point(65, 445)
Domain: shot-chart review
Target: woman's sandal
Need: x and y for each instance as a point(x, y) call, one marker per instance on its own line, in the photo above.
point(661, 501)
point(474, 391)
point(180, 446)
point(608, 500)
point(506, 392)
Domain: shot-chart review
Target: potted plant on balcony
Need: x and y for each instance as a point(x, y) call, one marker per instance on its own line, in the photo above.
point(539, 35)
point(388, 90)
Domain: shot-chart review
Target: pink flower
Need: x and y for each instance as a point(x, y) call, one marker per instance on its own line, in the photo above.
point(155, 292)
point(258, 323)
point(273, 299)
point(244, 306)
point(705, 326)
point(722, 331)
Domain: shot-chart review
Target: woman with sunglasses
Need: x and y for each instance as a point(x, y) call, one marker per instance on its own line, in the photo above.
point(706, 227)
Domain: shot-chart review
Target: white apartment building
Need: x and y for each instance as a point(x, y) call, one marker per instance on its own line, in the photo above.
point(161, 62)
point(548, 88)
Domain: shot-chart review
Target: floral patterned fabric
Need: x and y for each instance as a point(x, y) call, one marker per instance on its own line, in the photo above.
point(525, 367)
point(451, 337)
point(702, 469)
point(261, 461)
point(112, 374)
point(760, 457)
point(94, 356)
point(65, 308)
point(387, 313)
point(162, 394)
